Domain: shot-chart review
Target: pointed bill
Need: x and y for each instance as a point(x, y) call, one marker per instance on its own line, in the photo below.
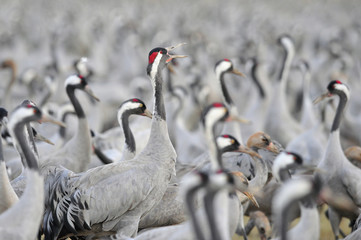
point(320, 98)
point(46, 118)
point(238, 119)
point(173, 47)
point(88, 90)
point(273, 148)
point(252, 198)
point(174, 56)
point(235, 71)
point(43, 139)
point(248, 151)
point(147, 113)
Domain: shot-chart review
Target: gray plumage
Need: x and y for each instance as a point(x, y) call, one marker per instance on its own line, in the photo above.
point(87, 199)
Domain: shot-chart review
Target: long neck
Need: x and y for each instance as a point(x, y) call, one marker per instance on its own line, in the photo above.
point(261, 176)
point(191, 209)
point(339, 111)
point(284, 224)
point(159, 108)
point(226, 96)
point(22, 142)
point(214, 153)
point(287, 60)
point(128, 135)
point(77, 107)
point(31, 138)
point(257, 82)
point(62, 130)
point(209, 206)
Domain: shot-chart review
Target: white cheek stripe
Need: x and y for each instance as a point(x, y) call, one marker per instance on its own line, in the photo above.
point(223, 66)
point(343, 88)
point(155, 65)
point(127, 106)
point(72, 80)
point(223, 142)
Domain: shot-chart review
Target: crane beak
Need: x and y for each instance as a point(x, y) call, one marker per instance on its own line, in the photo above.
point(241, 182)
point(235, 71)
point(252, 198)
point(248, 151)
point(237, 119)
point(323, 96)
point(272, 148)
point(43, 139)
point(174, 56)
point(88, 90)
point(173, 47)
point(46, 118)
point(147, 113)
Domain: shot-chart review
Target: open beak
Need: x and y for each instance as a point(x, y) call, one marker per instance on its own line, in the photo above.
point(272, 148)
point(46, 118)
point(323, 96)
point(147, 113)
point(248, 151)
point(235, 71)
point(237, 119)
point(88, 90)
point(43, 139)
point(174, 56)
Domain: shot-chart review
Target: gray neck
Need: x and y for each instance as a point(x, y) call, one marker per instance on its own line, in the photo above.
point(62, 130)
point(192, 210)
point(257, 82)
point(209, 205)
point(128, 135)
point(287, 60)
point(23, 144)
point(77, 107)
point(261, 174)
point(225, 93)
point(102, 157)
point(339, 111)
point(215, 155)
point(31, 138)
point(159, 109)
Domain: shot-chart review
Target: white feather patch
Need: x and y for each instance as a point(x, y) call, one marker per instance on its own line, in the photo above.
point(214, 115)
point(222, 67)
point(223, 142)
point(343, 88)
point(281, 162)
point(72, 80)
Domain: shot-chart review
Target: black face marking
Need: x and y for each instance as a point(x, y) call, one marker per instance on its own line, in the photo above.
point(332, 84)
point(296, 157)
point(3, 113)
point(266, 140)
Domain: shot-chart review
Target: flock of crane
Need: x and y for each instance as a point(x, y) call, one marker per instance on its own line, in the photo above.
point(218, 155)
